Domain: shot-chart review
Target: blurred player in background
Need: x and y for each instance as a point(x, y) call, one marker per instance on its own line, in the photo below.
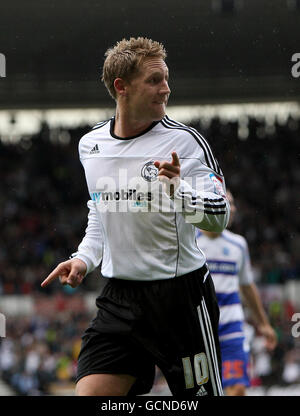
point(158, 305)
point(229, 263)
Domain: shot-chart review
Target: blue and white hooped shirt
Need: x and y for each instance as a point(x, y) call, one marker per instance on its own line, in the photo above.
point(229, 263)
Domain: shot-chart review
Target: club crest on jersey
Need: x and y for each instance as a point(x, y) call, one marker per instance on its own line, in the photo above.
point(217, 181)
point(149, 171)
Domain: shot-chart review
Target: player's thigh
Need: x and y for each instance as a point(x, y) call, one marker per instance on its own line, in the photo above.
point(104, 385)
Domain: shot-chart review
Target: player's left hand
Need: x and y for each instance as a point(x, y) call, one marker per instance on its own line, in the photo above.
point(270, 336)
point(169, 173)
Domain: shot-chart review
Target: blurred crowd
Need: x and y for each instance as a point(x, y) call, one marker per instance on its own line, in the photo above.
point(40, 352)
point(43, 198)
point(43, 204)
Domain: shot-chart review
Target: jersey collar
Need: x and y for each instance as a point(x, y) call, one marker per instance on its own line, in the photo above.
point(112, 125)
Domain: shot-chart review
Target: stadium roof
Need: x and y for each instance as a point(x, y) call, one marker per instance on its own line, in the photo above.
point(239, 52)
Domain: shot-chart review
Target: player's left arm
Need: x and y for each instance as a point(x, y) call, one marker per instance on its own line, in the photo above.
point(202, 203)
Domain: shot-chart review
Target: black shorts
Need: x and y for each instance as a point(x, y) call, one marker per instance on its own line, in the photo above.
point(170, 323)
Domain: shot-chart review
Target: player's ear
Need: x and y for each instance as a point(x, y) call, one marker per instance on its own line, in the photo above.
point(120, 86)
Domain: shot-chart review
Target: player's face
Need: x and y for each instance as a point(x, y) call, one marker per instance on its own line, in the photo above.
point(232, 207)
point(148, 92)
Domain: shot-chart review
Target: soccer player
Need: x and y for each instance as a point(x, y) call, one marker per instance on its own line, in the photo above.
point(228, 261)
point(151, 181)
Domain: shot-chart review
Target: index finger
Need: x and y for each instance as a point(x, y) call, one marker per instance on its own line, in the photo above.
point(52, 276)
point(175, 159)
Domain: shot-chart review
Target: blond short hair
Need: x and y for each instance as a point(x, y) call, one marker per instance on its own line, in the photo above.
point(124, 59)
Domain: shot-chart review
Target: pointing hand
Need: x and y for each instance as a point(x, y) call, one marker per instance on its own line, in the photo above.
point(169, 173)
point(70, 272)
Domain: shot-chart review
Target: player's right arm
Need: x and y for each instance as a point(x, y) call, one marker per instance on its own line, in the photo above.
point(87, 257)
point(251, 296)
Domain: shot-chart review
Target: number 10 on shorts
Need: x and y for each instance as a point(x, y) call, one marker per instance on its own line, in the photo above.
point(200, 368)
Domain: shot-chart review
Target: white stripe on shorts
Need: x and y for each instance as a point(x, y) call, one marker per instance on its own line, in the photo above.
point(207, 351)
point(210, 351)
point(205, 276)
point(213, 347)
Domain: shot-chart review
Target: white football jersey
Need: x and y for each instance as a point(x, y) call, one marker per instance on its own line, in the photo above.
point(134, 228)
point(229, 264)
